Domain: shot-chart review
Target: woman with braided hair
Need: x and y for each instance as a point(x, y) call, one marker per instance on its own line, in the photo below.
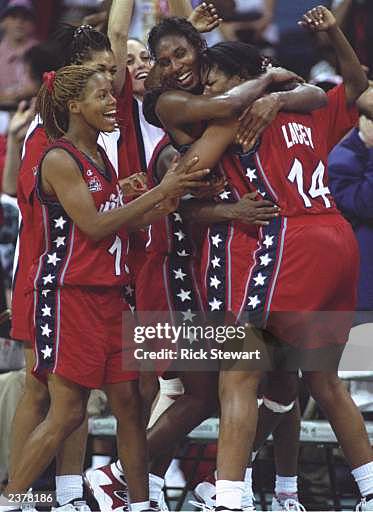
point(78, 273)
point(93, 49)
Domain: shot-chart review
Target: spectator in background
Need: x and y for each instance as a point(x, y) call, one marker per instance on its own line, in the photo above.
point(351, 183)
point(18, 23)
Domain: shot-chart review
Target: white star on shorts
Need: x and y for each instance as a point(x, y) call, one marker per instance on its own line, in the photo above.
point(184, 295)
point(59, 223)
point(47, 352)
point(215, 304)
point(254, 301)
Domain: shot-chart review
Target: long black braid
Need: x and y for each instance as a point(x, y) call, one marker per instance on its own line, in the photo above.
point(77, 44)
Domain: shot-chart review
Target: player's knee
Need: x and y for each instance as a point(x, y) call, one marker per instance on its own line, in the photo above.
point(282, 388)
point(36, 395)
point(238, 382)
point(323, 386)
point(66, 416)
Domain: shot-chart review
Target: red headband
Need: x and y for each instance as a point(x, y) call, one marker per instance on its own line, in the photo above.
point(48, 79)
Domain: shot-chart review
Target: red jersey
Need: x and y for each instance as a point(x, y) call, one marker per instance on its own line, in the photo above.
point(35, 145)
point(291, 163)
point(66, 255)
point(128, 147)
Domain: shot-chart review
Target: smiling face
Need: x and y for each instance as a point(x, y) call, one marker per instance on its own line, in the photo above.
point(98, 105)
point(103, 62)
point(178, 60)
point(139, 65)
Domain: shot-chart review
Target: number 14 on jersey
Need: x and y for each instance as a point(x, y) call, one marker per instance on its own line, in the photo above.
point(317, 188)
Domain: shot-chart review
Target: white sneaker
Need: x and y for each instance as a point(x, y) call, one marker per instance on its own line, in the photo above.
point(205, 494)
point(288, 504)
point(174, 477)
point(76, 506)
point(162, 505)
point(108, 487)
point(364, 505)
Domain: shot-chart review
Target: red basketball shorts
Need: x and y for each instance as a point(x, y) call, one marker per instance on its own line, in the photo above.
point(78, 334)
point(303, 281)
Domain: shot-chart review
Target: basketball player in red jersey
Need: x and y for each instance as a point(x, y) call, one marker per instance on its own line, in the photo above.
point(289, 167)
point(83, 219)
point(197, 402)
point(82, 45)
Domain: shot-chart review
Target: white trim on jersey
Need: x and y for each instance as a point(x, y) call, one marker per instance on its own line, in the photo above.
point(108, 141)
point(150, 134)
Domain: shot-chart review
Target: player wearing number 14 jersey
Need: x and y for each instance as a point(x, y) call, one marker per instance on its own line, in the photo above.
point(307, 258)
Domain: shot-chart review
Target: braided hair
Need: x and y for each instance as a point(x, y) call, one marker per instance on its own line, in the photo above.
point(236, 58)
point(78, 43)
point(58, 88)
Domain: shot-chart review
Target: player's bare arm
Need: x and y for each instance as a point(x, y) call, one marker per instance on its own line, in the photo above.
point(248, 210)
point(178, 108)
point(320, 19)
point(61, 177)
point(302, 98)
point(118, 27)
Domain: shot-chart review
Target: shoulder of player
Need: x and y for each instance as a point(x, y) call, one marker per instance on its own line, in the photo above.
point(58, 162)
point(169, 98)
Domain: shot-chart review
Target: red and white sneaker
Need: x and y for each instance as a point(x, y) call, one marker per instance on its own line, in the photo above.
point(109, 488)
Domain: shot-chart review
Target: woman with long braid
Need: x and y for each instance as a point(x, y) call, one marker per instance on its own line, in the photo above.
point(78, 273)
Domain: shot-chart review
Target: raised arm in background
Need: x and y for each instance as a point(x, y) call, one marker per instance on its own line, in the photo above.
point(16, 133)
point(320, 19)
point(118, 29)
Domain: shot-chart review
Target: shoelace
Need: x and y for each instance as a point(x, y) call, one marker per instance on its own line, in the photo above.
point(293, 505)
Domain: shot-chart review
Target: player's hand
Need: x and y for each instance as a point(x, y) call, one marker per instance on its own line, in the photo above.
point(134, 185)
point(205, 18)
point(255, 120)
point(182, 178)
point(215, 187)
point(167, 206)
point(21, 120)
point(318, 19)
point(281, 75)
point(252, 211)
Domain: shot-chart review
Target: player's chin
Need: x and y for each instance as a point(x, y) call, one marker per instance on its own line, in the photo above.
point(108, 126)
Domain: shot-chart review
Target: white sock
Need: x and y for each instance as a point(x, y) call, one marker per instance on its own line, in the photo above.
point(100, 460)
point(248, 496)
point(156, 484)
point(69, 488)
point(139, 506)
point(364, 478)
point(229, 493)
point(169, 390)
point(170, 386)
point(286, 485)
